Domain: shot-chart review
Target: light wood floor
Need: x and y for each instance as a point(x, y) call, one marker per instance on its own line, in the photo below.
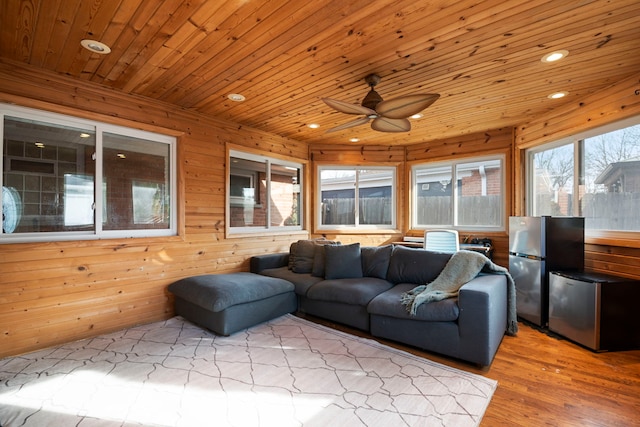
point(544, 380)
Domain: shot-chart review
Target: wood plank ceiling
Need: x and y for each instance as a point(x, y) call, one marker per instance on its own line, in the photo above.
point(482, 57)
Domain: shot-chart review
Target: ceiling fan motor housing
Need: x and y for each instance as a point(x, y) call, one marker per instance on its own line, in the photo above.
point(372, 98)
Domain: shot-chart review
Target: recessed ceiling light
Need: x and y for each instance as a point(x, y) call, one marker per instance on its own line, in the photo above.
point(95, 46)
point(354, 139)
point(416, 116)
point(558, 95)
point(39, 144)
point(313, 125)
point(85, 135)
point(555, 56)
point(121, 156)
point(236, 97)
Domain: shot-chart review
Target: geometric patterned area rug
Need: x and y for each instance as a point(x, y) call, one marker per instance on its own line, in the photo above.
point(286, 372)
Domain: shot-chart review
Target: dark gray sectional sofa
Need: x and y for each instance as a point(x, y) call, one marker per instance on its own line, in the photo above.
point(362, 288)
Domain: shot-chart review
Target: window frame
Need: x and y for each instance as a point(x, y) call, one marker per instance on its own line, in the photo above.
point(267, 229)
point(576, 141)
point(453, 164)
point(99, 128)
point(370, 228)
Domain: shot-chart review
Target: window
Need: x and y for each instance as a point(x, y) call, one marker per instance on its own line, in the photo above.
point(263, 194)
point(65, 178)
point(465, 194)
point(595, 175)
point(372, 188)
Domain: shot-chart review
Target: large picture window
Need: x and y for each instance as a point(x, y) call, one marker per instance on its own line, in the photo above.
point(65, 178)
point(595, 175)
point(263, 194)
point(356, 198)
point(465, 194)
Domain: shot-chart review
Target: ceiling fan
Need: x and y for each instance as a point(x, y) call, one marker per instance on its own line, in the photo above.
point(387, 116)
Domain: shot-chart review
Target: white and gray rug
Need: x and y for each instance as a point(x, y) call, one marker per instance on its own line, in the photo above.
point(287, 372)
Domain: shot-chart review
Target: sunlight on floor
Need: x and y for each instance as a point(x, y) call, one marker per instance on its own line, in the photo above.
point(93, 396)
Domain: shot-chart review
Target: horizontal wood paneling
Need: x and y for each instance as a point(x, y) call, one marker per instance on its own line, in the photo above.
point(58, 291)
point(497, 141)
point(482, 57)
point(54, 292)
point(620, 101)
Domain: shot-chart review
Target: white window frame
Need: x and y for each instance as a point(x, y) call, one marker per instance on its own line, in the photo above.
point(99, 128)
point(358, 227)
point(233, 200)
point(453, 164)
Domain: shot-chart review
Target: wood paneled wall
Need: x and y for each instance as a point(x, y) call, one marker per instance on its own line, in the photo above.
point(614, 253)
point(55, 292)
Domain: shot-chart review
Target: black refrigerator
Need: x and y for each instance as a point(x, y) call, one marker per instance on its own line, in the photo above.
point(538, 245)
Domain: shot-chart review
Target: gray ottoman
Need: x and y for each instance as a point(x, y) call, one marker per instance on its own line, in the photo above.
point(227, 303)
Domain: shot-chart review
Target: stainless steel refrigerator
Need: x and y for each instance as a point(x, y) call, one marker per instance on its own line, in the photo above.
point(538, 245)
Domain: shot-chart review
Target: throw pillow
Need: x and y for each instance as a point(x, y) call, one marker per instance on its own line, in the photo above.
point(292, 254)
point(319, 258)
point(375, 261)
point(303, 261)
point(342, 261)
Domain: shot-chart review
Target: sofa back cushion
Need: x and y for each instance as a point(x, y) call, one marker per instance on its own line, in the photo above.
point(302, 254)
point(342, 261)
point(319, 258)
point(375, 260)
point(415, 265)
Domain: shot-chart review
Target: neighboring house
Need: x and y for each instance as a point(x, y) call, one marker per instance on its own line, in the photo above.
point(621, 177)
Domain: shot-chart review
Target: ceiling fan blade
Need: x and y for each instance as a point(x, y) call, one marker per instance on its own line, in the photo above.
point(406, 106)
point(385, 124)
point(353, 123)
point(345, 107)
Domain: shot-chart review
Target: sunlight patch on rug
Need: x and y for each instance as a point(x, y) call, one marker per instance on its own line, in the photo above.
point(287, 372)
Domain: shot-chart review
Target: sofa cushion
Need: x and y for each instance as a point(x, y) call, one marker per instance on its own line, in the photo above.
point(303, 258)
point(301, 281)
point(292, 254)
point(319, 257)
point(415, 265)
point(389, 304)
point(375, 260)
point(356, 291)
point(342, 261)
point(216, 292)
